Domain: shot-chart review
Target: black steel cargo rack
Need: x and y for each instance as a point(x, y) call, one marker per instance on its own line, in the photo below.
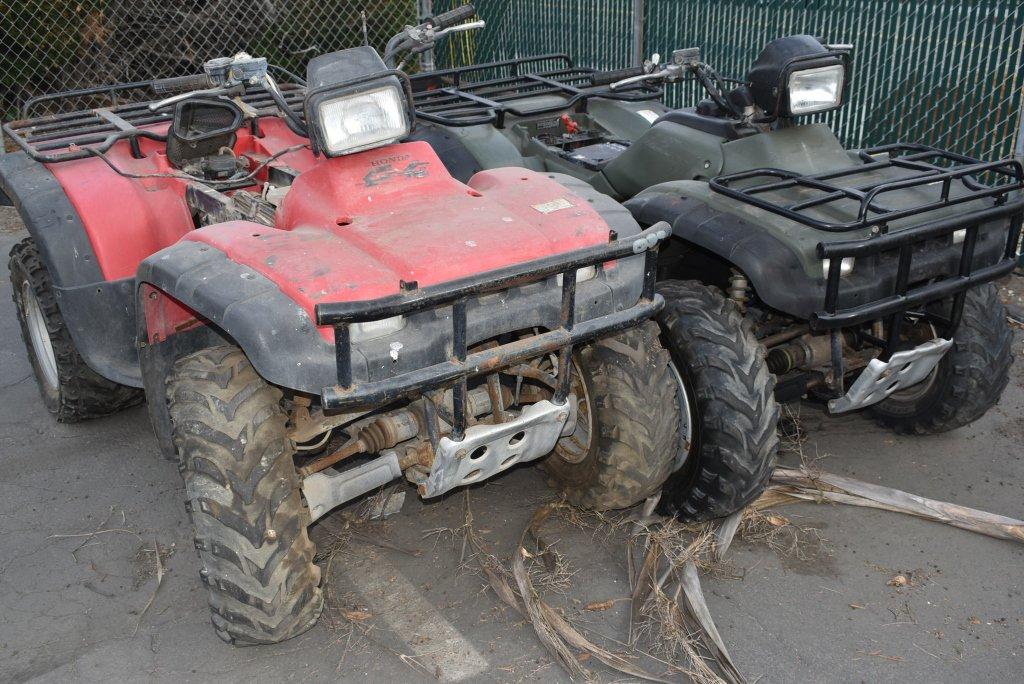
point(349, 393)
point(920, 159)
point(451, 97)
point(52, 138)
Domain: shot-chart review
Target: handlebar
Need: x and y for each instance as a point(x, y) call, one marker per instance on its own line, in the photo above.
point(601, 78)
point(420, 38)
point(453, 17)
point(175, 84)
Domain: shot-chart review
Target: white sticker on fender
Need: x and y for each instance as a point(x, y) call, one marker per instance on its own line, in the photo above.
point(553, 205)
point(649, 115)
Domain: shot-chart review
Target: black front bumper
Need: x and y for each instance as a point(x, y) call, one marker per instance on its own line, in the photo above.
point(460, 365)
point(904, 245)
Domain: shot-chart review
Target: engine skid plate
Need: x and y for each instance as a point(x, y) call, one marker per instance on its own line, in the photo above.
point(881, 378)
point(487, 450)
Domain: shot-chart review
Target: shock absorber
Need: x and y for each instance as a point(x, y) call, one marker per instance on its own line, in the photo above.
point(739, 289)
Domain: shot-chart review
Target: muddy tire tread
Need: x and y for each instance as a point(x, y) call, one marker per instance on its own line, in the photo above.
point(634, 401)
point(737, 412)
point(240, 481)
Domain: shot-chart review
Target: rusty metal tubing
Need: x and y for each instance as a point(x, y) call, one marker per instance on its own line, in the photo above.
point(784, 336)
point(488, 361)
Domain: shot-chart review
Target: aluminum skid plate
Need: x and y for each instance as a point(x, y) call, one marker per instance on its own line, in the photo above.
point(489, 449)
point(880, 379)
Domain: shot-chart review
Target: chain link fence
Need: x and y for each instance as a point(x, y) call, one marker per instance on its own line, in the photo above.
point(53, 45)
point(942, 72)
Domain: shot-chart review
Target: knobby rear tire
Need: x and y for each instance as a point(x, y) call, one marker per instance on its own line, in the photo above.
point(80, 393)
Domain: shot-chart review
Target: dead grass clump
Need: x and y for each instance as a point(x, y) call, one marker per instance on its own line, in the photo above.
point(781, 535)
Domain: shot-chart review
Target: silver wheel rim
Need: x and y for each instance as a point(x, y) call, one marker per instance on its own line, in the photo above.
point(573, 448)
point(42, 347)
point(685, 419)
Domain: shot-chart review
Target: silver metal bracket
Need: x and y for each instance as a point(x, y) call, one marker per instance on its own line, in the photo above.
point(881, 378)
point(489, 449)
point(330, 488)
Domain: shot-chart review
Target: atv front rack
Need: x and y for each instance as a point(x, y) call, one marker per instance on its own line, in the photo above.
point(451, 97)
point(929, 165)
point(54, 138)
point(348, 394)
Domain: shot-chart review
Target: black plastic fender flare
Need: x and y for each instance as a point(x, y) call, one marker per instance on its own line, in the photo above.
point(99, 314)
point(244, 307)
point(774, 270)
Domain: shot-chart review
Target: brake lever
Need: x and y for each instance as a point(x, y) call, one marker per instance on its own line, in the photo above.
point(670, 72)
point(637, 79)
point(175, 99)
point(468, 26)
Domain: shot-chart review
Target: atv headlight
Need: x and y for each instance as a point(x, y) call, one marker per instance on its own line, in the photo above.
point(797, 75)
point(371, 330)
point(815, 90)
point(354, 103)
point(582, 274)
point(359, 121)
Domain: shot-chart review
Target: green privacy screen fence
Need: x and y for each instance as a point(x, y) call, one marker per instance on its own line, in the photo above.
point(942, 72)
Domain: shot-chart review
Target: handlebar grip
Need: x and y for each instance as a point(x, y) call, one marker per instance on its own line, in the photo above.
point(453, 17)
point(181, 84)
point(600, 78)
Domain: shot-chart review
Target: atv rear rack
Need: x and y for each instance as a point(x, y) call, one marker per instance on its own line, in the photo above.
point(54, 138)
point(1009, 176)
point(444, 97)
point(347, 394)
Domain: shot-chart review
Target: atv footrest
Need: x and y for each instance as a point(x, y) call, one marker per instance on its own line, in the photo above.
point(462, 365)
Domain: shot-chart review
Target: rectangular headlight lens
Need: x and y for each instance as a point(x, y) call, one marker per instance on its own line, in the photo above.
point(355, 122)
point(582, 274)
point(815, 90)
point(371, 330)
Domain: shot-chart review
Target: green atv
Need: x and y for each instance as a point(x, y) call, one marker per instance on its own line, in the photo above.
point(797, 268)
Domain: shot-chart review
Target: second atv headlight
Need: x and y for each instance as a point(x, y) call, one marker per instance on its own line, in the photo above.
point(815, 90)
point(360, 121)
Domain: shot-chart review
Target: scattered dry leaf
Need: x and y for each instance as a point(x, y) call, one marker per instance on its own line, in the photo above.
point(898, 581)
point(879, 654)
point(857, 606)
point(776, 520)
point(356, 615)
point(974, 621)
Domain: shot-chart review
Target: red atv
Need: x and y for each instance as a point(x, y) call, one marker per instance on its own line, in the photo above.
point(313, 308)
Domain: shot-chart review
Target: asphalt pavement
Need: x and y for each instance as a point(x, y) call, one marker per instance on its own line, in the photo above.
point(83, 597)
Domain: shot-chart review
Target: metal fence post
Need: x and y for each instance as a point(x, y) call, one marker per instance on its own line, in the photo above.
point(1018, 151)
point(426, 9)
point(638, 32)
